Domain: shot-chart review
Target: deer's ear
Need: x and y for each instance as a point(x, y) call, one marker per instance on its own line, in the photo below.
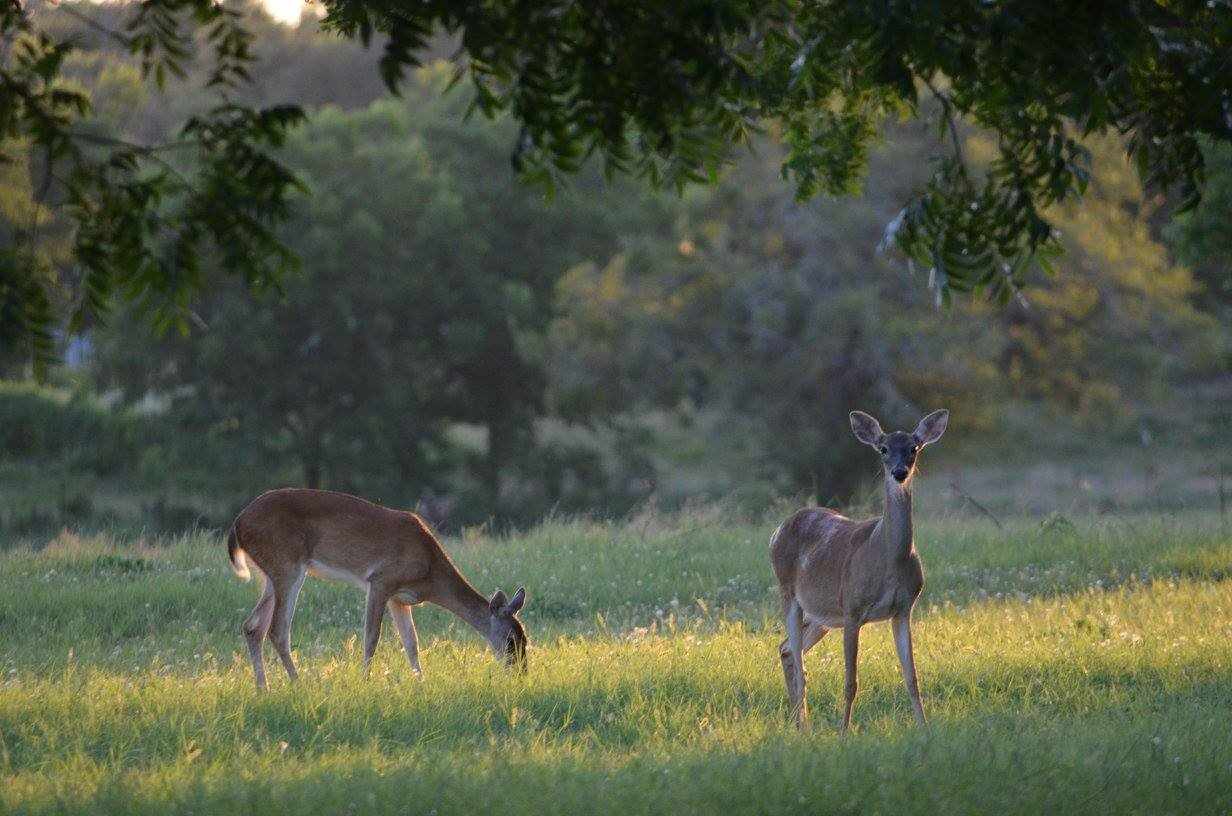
point(515, 603)
point(866, 429)
point(498, 602)
point(931, 427)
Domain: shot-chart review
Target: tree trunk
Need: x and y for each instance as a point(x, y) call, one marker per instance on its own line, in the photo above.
point(498, 440)
point(312, 472)
point(311, 457)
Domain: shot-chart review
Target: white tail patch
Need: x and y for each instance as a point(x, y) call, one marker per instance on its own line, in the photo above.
point(240, 565)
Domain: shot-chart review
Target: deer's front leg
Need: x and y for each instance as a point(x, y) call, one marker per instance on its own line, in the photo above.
point(851, 650)
point(375, 612)
point(405, 622)
point(906, 658)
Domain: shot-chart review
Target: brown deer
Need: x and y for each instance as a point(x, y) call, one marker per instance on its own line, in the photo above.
point(837, 573)
point(291, 533)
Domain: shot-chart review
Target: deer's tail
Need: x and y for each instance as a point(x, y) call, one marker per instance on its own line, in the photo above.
point(239, 559)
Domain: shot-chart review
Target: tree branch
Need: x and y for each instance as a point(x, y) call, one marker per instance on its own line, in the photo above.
point(984, 510)
point(96, 25)
point(948, 109)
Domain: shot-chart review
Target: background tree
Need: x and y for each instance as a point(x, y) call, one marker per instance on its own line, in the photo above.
point(426, 290)
point(141, 223)
point(618, 346)
point(775, 317)
point(1203, 238)
point(664, 93)
point(1119, 319)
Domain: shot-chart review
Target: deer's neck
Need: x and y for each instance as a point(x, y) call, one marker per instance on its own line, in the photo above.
point(897, 532)
point(459, 597)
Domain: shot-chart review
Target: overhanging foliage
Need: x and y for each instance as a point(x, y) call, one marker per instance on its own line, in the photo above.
point(667, 92)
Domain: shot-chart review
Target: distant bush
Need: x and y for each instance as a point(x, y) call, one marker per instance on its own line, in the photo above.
point(38, 422)
point(167, 515)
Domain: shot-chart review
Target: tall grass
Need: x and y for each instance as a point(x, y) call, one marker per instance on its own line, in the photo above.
point(1066, 667)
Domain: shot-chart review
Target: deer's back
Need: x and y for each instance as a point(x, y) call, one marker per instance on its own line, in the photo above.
point(333, 532)
point(810, 552)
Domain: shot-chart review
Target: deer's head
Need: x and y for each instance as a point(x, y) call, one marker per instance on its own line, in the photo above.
point(506, 634)
point(899, 450)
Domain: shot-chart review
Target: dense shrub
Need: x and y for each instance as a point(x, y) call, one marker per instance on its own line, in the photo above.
point(38, 422)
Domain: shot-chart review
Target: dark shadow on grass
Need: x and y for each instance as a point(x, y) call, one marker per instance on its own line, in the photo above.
point(619, 716)
point(1170, 760)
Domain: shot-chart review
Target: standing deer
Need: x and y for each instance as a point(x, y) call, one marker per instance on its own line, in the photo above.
point(836, 573)
point(291, 533)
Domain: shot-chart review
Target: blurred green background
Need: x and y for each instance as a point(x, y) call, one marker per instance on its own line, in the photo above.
point(460, 343)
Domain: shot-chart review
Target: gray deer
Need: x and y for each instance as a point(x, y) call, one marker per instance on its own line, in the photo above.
point(838, 573)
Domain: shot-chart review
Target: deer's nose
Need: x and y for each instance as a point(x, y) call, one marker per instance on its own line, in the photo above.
point(899, 473)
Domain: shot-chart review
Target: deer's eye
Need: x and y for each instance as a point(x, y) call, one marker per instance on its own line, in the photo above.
point(884, 450)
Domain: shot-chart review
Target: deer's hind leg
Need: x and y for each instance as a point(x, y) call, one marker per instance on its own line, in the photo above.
point(791, 653)
point(256, 627)
point(286, 593)
point(813, 633)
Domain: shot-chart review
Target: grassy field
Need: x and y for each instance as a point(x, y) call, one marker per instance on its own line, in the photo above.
point(1068, 666)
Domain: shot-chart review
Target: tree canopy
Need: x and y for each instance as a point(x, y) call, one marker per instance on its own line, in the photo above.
point(664, 91)
point(453, 337)
point(1202, 237)
point(425, 291)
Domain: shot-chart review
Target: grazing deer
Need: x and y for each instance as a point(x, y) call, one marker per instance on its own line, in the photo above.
point(291, 533)
point(836, 573)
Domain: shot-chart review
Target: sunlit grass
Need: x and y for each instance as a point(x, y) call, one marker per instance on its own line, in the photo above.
point(1066, 667)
